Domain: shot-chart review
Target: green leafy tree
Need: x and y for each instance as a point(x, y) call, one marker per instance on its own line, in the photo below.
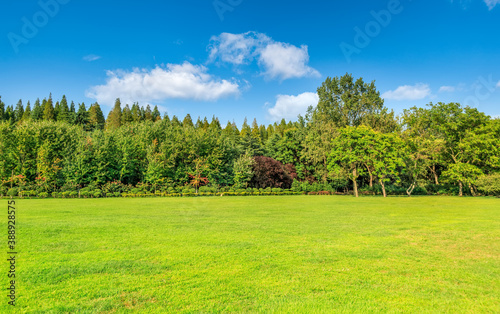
point(349, 152)
point(243, 170)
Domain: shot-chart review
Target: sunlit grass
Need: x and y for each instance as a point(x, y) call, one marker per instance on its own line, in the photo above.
point(258, 254)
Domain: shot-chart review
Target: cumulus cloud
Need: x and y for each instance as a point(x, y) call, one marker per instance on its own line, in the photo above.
point(91, 58)
point(181, 81)
point(408, 92)
point(447, 89)
point(491, 3)
point(278, 60)
point(290, 106)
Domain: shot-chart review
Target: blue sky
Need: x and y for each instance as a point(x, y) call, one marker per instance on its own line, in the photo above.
point(249, 58)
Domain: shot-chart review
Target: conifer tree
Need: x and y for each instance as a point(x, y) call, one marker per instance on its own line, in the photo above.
point(115, 116)
point(96, 117)
point(156, 114)
point(19, 112)
point(37, 112)
point(27, 112)
point(148, 115)
point(48, 110)
point(63, 112)
point(126, 115)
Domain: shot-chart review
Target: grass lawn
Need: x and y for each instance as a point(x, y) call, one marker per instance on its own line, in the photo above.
point(292, 254)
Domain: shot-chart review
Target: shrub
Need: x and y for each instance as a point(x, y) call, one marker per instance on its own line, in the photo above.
point(489, 184)
point(43, 194)
point(13, 192)
point(73, 194)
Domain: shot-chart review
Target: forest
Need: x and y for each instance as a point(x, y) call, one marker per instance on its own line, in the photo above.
point(349, 143)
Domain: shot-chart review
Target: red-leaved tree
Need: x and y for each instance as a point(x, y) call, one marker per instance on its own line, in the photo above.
point(269, 172)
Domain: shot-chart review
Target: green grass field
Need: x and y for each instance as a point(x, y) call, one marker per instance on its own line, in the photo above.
point(308, 254)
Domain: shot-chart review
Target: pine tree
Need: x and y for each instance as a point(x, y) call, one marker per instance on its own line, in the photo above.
point(2, 110)
point(48, 110)
point(156, 114)
point(63, 113)
point(9, 114)
point(148, 115)
point(136, 112)
point(126, 115)
point(82, 115)
point(19, 112)
point(37, 112)
point(115, 116)
point(57, 110)
point(27, 112)
point(96, 117)
point(72, 113)
point(188, 122)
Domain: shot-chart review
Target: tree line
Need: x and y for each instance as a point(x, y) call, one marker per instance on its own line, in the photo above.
point(349, 142)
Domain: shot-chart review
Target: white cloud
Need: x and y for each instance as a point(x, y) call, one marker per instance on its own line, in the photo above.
point(407, 92)
point(491, 3)
point(284, 61)
point(183, 81)
point(498, 84)
point(278, 60)
point(91, 58)
point(236, 49)
point(289, 106)
point(447, 89)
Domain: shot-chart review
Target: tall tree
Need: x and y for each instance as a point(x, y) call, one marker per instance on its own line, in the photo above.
point(115, 116)
point(48, 110)
point(37, 112)
point(63, 112)
point(96, 117)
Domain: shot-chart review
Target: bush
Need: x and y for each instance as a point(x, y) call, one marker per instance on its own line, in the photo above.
point(97, 194)
point(489, 184)
point(117, 194)
point(43, 195)
point(13, 192)
point(73, 194)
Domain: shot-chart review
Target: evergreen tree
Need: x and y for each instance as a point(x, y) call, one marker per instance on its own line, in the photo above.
point(37, 112)
point(156, 114)
point(188, 122)
point(96, 117)
point(48, 110)
point(63, 111)
point(2, 109)
point(27, 112)
point(82, 115)
point(148, 115)
point(57, 110)
point(9, 114)
point(136, 112)
point(19, 112)
point(115, 116)
point(72, 113)
point(126, 115)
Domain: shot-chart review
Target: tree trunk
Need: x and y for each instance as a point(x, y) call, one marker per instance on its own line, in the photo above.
point(471, 190)
point(383, 188)
point(433, 170)
point(410, 189)
point(461, 188)
point(354, 176)
point(371, 175)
